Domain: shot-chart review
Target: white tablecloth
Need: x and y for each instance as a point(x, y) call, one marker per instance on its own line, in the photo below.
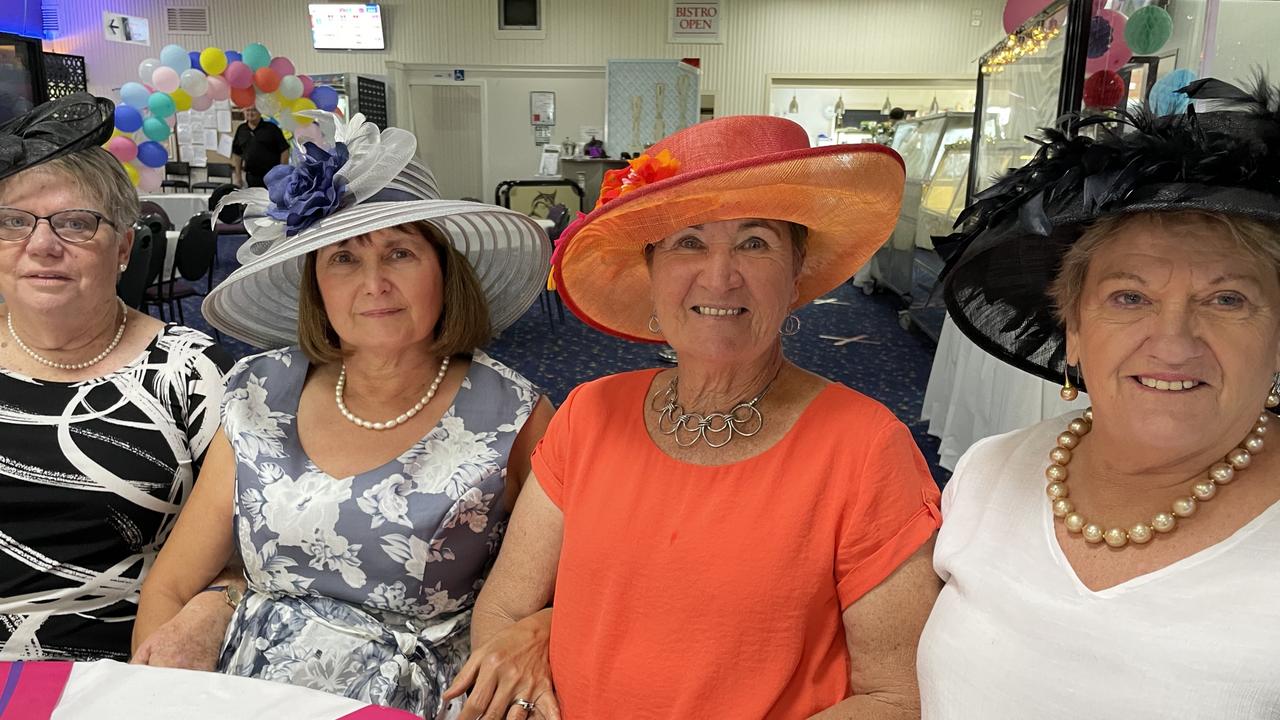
point(179, 206)
point(972, 395)
point(108, 690)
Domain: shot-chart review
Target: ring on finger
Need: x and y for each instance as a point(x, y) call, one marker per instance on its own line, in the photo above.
point(525, 704)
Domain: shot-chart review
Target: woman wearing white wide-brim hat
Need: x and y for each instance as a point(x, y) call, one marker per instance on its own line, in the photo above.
point(362, 473)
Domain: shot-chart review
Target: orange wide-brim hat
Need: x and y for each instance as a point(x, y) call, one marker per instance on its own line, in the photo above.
point(745, 166)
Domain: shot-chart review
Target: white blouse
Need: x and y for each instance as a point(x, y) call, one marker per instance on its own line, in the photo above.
point(1015, 634)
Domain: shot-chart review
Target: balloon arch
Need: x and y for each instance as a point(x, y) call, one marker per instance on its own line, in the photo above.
point(183, 80)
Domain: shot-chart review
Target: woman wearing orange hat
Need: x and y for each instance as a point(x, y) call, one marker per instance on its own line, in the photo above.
point(734, 537)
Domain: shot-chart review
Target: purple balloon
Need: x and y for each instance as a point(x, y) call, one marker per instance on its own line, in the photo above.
point(233, 56)
point(325, 97)
point(195, 60)
point(152, 154)
point(128, 119)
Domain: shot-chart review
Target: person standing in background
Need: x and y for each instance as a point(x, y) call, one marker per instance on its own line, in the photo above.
point(258, 146)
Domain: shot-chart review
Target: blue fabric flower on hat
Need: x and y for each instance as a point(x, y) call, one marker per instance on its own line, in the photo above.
point(303, 194)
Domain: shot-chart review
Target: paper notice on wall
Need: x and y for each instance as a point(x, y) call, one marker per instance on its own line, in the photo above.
point(197, 159)
point(224, 121)
point(224, 145)
point(184, 135)
point(211, 138)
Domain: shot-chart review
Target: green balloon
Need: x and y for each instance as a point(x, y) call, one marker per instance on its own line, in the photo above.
point(161, 105)
point(155, 129)
point(1148, 29)
point(256, 56)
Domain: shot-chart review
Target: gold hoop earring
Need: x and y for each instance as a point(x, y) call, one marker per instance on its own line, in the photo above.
point(1068, 391)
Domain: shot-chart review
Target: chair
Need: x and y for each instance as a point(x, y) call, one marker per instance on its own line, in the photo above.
point(560, 215)
point(223, 171)
point(232, 213)
point(153, 285)
point(193, 260)
point(179, 169)
point(151, 207)
point(132, 285)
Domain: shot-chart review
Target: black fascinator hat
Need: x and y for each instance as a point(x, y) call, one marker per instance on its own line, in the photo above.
point(58, 127)
point(1010, 241)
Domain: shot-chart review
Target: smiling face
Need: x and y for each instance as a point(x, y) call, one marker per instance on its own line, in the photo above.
point(381, 291)
point(45, 273)
point(722, 290)
point(1177, 333)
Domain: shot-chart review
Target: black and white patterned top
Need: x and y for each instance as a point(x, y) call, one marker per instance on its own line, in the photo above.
point(92, 475)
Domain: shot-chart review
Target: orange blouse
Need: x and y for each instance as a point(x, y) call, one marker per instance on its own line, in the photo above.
point(689, 591)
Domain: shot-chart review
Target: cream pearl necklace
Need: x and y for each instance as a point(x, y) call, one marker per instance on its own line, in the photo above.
point(124, 320)
point(404, 417)
point(1202, 490)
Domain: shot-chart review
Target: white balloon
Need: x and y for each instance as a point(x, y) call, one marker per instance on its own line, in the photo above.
point(194, 82)
point(268, 104)
point(290, 87)
point(147, 68)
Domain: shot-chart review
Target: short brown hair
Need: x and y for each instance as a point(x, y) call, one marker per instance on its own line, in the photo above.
point(1259, 240)
point(99, 176)
point(464, 317)
point(799, 245)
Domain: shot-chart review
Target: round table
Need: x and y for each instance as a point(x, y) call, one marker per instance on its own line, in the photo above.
point(972, 395)
point(109, 690)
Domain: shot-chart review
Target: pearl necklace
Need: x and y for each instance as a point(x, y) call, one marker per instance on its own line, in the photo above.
point(1184, 507)
point(368, 425)
point(124, 319)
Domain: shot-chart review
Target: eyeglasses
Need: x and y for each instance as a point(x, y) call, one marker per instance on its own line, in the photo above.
point(73, 226)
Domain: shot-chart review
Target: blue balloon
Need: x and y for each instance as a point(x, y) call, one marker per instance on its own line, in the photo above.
point(325, 97)
point(134, 94)
point(195, 60)
point(175, 56)
point(152, 154)
point(128, 119)
point(233, 56)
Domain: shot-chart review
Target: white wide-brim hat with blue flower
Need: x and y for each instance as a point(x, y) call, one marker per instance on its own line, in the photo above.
point(368, 181)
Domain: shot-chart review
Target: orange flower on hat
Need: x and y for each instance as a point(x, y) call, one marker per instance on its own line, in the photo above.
point(643, 170)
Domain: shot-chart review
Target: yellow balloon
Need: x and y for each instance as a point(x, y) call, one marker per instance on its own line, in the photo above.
point(213, 61)
point(181, 100)
point(298, 106)
point(132, 172)
point(117, 132)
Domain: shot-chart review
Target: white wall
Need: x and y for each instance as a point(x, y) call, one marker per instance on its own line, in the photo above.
point(847, 37)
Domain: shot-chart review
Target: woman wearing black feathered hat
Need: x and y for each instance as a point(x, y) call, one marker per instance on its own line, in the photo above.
point(1122, 563)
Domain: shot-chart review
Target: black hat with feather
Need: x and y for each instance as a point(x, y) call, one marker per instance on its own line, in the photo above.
point(55, 128)
point(1010, 241)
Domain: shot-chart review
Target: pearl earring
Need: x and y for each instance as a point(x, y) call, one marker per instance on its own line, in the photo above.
point(1273, 397)
point(1068, 391)
point(124, 266)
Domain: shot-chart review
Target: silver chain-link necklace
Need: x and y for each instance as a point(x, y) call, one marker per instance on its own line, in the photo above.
point(744, 419)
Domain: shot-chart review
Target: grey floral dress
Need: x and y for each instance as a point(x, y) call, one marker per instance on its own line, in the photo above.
point(363, 585)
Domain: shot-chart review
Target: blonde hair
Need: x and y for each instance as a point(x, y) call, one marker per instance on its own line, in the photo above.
point(1258, 240)
point(464, 318)
point(96, 174)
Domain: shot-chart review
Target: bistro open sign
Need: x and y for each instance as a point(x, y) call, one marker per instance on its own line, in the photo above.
point(695, 22)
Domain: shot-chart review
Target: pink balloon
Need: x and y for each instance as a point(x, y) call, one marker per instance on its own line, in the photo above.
point(307, 85)
point(1017, 12)
point(166, 79)
point(238, 75)
point(124, 149)
point(149, 179)
point(202, 103)
point(282, 65)
point(218, 88)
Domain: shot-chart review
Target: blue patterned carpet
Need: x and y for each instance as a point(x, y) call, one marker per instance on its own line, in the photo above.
point(883, 360)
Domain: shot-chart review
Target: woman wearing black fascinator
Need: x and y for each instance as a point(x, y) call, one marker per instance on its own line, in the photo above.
point(105, 413)
point(1122, 562)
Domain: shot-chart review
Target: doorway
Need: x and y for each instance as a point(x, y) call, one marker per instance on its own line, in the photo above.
point(448, 120)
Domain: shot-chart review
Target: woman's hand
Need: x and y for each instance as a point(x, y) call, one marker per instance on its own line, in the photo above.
point(514, 664)
point(191, 639)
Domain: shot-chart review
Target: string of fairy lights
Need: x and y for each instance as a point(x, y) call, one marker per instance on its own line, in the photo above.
point(1027, 41)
